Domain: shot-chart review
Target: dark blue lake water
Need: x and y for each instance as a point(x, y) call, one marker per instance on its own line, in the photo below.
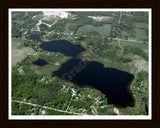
point(35, 37)
point(61, 46)
point(40, 62)
point(111, 82)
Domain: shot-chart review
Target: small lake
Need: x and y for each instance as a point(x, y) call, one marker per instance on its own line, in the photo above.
point(35, 37)
point(111, 82)
point(40, 62)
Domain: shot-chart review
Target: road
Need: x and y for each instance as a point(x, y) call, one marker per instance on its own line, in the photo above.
point(119, 21)
point(94, 111)
point(120, 45)
point(37, 105)
point(73, 93)
point(40, 22)
point(129, 40)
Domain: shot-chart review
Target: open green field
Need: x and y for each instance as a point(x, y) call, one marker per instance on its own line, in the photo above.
point(54, 61)
point(141, 25)
point(19, 52)
point(141, 35)
point(102, 30)
point(131, 44)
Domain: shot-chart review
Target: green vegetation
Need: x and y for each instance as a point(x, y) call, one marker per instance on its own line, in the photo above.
point(19, 41)
point(22, 22)
point(23, 109)
point(101, 30)
point(136, 51)
point(43, 27)
point(49, 21)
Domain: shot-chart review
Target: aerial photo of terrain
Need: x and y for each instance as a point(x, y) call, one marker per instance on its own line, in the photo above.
point(80, 62)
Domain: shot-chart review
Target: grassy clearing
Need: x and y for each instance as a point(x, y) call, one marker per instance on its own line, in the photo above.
point(126, 34)
point(47, 69)
point(19, 54)
point(132, 44)
point(19, 22)
point(17, 43)
point(54, 61)
point(141, 35)
point(19, 51)
point(102, 30)
point(140, 63)
point(141, 25)
point(49, 20)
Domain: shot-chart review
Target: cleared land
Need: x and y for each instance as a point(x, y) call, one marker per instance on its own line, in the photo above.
point(19, 54)
point(102, 30)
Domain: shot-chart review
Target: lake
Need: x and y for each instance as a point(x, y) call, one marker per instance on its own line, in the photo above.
point(111, 82)
point(62, 46)
point(35, 37)
point(40, 62)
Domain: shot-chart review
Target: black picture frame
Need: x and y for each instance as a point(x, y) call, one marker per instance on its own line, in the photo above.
point(153, 4)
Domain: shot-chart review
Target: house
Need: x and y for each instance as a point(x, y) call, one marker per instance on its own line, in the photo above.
point(116, 111)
